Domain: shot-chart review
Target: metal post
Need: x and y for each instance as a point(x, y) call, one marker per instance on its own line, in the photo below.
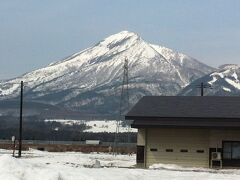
point(14, 145)
point(124, 101)
point(20, 123)
point(202, 89)
point(145, 147)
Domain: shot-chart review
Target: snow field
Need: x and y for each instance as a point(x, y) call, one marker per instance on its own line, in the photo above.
point(37, 165)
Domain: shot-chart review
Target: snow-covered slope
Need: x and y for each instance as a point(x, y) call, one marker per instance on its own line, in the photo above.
point(224, 81)
point(90, 80)
point(95, 126)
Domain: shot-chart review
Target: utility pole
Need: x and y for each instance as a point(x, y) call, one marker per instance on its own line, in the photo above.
point(203, 86)
point(124, 102)
point(202, 89)
point(124, 93)
point(20, 122)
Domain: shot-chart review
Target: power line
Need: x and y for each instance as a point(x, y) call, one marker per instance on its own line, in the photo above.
point(203, 86)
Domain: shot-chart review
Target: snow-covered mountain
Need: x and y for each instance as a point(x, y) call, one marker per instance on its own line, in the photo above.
point(224, 82)
point(91, 79)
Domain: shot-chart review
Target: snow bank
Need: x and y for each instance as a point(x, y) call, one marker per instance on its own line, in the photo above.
point(16, 169)
point(165, 166)
point(35, 165)
point(174, 167)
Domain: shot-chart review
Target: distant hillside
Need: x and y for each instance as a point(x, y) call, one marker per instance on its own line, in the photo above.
point(225, 82)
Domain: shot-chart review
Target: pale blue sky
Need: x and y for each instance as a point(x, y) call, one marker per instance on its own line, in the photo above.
point(34, 33)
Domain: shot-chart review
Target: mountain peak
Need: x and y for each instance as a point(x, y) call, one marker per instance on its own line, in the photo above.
point(124, 33)
point(119, 38)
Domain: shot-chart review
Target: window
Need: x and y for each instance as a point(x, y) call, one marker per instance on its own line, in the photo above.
point(227, 150)
point(183, 150)
point(153, 149)
point(236, 150)
point(200, 151)
point(231, 150)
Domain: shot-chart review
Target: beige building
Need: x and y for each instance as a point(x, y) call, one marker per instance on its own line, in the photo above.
point(187, 131)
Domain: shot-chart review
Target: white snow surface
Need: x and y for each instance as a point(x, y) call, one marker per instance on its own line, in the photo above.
point(95, 125)
point(36, 165)
point(106, 126)
point(228, 73)
point(226, 89)
point(235, 84)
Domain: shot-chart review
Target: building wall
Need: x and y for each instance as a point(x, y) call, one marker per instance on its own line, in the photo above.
point(141, 137)
point(158, 140)
point(195, 141)
point(217, 136)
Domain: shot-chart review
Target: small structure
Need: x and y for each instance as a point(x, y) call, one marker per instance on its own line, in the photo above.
point(187, 131)
point(93, 142)
point(97, 164)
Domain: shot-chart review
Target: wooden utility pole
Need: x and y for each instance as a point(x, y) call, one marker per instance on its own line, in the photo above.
point(20, 122)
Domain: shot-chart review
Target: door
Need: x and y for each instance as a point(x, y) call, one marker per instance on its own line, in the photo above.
point(140, 154)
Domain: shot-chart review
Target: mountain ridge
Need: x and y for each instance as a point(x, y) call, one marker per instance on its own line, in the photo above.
point(91, 79)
